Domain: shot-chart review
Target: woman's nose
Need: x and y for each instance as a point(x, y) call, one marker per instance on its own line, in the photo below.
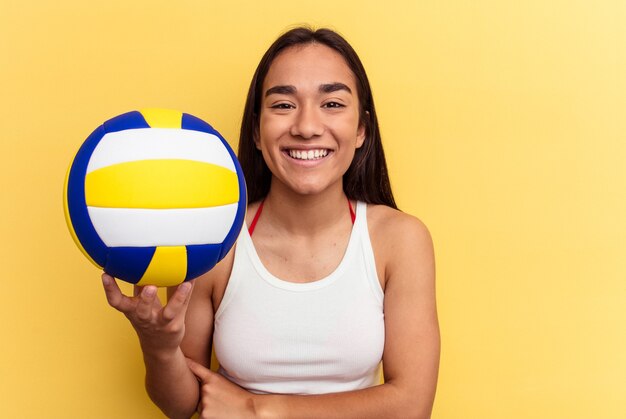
point(307, 123)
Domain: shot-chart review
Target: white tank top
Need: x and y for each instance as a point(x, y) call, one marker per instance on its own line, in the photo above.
point(326, 336)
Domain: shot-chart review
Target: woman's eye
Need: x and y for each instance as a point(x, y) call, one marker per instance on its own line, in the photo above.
point(282, 106)
point(333, 105)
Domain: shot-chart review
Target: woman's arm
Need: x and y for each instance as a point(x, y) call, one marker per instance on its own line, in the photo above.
point(183, 328)
point(169, 382)
point(411, 355)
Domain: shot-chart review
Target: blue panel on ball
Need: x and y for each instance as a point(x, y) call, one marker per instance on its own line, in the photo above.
point(197, 124)
point(201, 258)
point(128, 263)
point(235, 229)
point(76, 203)
point(129, 120)
point(232, 235)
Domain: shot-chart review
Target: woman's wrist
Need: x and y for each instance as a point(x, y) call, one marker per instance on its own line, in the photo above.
point(160, 354)
point(266, 406)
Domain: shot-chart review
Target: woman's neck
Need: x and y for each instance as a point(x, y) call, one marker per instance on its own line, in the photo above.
point(306, 214)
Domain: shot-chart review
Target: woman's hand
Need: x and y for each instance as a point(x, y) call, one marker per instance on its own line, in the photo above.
point(220, 398)
point(160, 329)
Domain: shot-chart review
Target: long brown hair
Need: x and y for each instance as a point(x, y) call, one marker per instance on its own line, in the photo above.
point(367, 178)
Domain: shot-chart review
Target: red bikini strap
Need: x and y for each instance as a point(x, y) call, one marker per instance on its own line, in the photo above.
point(352, 214)
point(260, 209)
point(256, 218)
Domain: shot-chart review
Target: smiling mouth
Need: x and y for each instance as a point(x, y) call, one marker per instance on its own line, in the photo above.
point(308, 154)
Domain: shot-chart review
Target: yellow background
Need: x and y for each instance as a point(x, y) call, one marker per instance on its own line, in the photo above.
point(505, 129)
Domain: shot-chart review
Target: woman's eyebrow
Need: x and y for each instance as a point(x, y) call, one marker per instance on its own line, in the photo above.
point(291, 90)
point(281, 90)
point(333, 87)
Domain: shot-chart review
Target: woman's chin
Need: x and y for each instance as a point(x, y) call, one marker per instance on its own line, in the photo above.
point(311, 188)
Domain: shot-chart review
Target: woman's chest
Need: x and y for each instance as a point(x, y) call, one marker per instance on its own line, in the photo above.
point(301, 261)
point(333, 334)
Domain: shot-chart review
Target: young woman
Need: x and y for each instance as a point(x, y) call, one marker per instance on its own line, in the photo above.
point(327, 280)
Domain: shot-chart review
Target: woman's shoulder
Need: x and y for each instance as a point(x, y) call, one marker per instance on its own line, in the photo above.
point(401, 242)
point(389, 224)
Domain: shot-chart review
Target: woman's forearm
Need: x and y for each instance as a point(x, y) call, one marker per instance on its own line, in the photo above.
point(383, 401)
point(170, 384)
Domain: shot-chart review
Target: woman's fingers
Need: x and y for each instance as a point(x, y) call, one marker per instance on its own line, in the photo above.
point(199, 370)
point(146, 303)
point(178, 302)
point(114, 295)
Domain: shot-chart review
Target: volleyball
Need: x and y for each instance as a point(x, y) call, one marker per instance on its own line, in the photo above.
point(155, 197)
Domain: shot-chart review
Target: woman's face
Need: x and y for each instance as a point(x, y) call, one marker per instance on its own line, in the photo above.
point(309, 123)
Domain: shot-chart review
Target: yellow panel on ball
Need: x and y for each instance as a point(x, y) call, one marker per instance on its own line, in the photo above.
point(161, 184)
point(168, 267)
point(162, 118)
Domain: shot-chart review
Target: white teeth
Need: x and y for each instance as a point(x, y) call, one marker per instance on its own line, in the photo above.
point(308, 155)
